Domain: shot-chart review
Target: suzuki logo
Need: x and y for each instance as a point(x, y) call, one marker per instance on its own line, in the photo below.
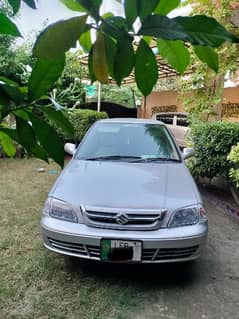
point(122, 219)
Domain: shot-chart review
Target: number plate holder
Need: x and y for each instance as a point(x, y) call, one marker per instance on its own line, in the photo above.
point(116, 250)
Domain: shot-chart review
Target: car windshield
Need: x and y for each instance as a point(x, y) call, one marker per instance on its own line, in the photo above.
point(127, 141)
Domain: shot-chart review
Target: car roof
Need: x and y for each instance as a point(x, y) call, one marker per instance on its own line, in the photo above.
point(131, 121)
point(172, 113)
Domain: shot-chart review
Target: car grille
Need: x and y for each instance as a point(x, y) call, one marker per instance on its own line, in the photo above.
point(130, 220)
point(148, 255)
point(168, 253)
point(76, 249)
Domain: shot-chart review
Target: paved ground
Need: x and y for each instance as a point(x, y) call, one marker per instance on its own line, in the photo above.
point(208, 288)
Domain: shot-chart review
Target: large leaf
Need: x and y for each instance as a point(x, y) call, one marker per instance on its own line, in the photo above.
point(90, 65)
point(11, 89)
point(85, 41)
point(207, 55)
point(146, 68)
point(49, 139)
point(124, 60)
point(100, 65)
point(146, 7)
point(15, 4)
point(175, 53)
point(4, 98)
point(8, 27)
point(44, 75)
point(110, 46)
point(116, 27)
point(131, 11)
point(165, 6)
point(59, 37)
point(199, 30)
point(59, 119)
point(92, 7)
point(12, 133)
point(7, 144)
point(25, 133)
point(73, 5)
point(31, 3)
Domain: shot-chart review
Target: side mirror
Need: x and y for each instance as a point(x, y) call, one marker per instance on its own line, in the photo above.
point(188, 152)
point(70, 148)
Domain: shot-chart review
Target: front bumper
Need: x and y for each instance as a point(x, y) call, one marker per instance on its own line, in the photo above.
point(163, 245)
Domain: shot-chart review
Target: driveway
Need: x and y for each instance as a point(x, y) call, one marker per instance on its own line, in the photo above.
point(207, 289)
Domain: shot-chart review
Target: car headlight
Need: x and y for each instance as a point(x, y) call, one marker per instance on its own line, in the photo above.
point(60, 210)
point(185, 216)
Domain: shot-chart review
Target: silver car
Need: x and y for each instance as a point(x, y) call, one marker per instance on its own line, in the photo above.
point(126, 196)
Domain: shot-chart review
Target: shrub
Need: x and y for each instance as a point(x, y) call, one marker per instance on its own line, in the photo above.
point(233, 157)
point(212, 143)
point(82, 121)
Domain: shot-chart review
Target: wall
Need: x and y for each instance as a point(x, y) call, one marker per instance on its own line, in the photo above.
point(165, 100)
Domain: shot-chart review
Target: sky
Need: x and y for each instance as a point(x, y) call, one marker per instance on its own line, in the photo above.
point(31, 21)
point(48, 11)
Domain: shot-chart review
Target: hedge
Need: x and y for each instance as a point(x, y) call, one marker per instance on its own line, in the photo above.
point(212, 144)
point(82, 121)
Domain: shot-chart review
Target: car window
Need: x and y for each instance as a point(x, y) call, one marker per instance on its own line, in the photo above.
point(167, 119)
point(126, 139)
point(182, 121)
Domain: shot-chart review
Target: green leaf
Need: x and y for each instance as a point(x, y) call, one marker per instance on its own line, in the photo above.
point(92, 7)
point(73, 5)
point(15, 4)
point(44, 75)
point(146, 7)
point(100, 65)
point(124, 60)
point(166, 6)
point(7, 144)
point(146, 68)
point(22, 114)
point(116, 27)
point(31, 3)
point(90, 65)
point(107, 15)
point(207, 55)
point(49, 139)
point(198, 29)
point(175, 53)
point(25, 133)
point(59, 37)
point(39, 152)
point(12, 89)
point(110, 46)
point(11, 133)
point(131, 11)
point(59, 119)
point(8, 27)
point(4, 98)
point(85, 41)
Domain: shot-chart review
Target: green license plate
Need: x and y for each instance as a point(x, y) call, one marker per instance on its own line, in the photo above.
point(121, 250)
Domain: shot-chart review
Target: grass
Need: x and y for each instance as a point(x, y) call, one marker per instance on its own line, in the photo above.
point(35, 283)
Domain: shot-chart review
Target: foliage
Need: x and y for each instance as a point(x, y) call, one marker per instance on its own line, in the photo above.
point(233, 157)
point(201, 92)
point(81, 121)
point(125, 95)
point(113, 53)
point(212, 143)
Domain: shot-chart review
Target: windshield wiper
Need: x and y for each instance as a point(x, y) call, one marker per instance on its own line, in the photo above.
point(156, 159)
point(111, 157)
